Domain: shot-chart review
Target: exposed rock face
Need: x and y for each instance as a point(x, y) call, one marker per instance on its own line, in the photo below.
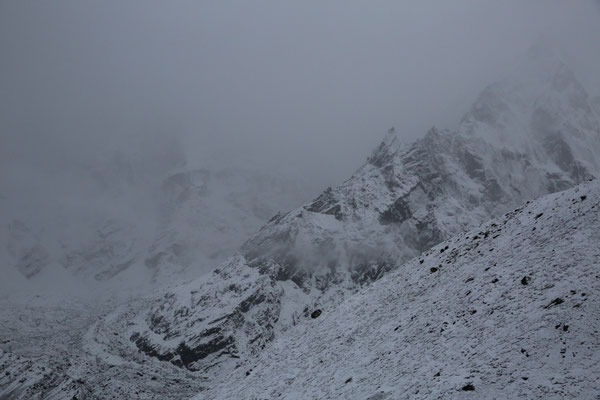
point(529, 135)
point(235, 312)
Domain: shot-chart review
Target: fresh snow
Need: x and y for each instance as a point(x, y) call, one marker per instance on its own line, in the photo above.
point(385, 325)
point(510, 307)
point(407, 198)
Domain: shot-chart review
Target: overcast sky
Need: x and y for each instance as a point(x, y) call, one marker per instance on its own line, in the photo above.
point(308, 87)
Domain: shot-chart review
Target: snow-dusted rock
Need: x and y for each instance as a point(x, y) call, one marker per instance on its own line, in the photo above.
point(507, 310)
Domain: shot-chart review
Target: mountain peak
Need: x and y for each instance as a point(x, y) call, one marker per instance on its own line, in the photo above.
point(541, 62)
point(543, 72)
point(540, 99)
point(543, 50)
point(389, 146)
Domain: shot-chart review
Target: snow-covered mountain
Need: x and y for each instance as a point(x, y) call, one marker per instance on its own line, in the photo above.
point(534, 132)
point(530, 134)
point(507, 310)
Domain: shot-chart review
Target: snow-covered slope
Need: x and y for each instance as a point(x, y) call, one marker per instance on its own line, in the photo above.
point(48, 351)
point(524, 137)
point(510, 309)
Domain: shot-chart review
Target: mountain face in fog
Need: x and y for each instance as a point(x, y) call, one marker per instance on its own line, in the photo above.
point(596, 103)
point(133, 214)
point(535, 132)
point(206, 215)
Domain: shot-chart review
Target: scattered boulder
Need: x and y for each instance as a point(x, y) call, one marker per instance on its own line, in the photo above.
point(555, 302)
point(316, 313)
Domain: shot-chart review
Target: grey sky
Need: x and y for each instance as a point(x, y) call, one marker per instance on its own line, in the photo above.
point(307, 87)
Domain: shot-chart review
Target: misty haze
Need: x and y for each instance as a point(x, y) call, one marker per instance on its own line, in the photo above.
point(300, 200)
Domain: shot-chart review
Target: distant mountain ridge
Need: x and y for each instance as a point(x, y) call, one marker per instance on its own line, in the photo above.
point(138, 220)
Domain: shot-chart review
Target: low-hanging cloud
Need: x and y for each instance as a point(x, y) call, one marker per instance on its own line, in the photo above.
point(304, 88)
point(105, 92)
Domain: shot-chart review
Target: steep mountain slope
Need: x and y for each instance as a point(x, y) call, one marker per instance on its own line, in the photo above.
point(530, 134)
point(510, 309)
point(404, 200)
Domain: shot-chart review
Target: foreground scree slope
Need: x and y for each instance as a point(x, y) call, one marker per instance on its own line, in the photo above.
point(508, 310)
point(535, 132)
